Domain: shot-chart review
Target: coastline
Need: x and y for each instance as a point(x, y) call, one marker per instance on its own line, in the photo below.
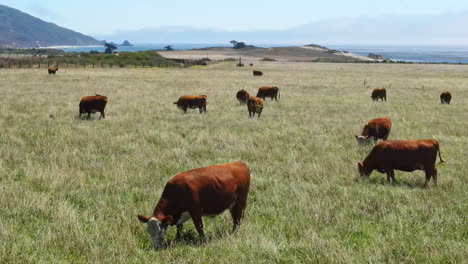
point(69, 47)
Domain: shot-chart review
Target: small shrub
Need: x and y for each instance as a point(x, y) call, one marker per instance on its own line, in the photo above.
point(267, 59)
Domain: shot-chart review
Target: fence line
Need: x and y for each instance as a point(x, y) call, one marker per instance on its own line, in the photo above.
point(39, 64)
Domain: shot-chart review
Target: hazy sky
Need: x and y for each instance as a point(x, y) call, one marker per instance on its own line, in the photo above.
point(102, 17)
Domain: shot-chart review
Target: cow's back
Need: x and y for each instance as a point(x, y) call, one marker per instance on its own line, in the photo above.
point(192, 100)
point(214, 188)
point(267, 91)
point(405, 155)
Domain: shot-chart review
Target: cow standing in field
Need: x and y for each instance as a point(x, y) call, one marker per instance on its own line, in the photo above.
point(375, 129)
point(268, 91)
point(255, 105)
point(52, 70)
point(379, 94)
point(242, 96)
point(404, 155)
point(201, 192)
point(93, 104)
point(445, 98)
point(192, 102)
point(257, 73)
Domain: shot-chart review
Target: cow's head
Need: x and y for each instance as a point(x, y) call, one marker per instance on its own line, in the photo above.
point(156, 228)
point(363, 171)
point(362, 140)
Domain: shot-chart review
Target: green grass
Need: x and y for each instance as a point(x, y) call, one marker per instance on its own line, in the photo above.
point(70, 190)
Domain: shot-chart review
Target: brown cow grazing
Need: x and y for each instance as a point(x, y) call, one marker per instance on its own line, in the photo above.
point(192, 102)
point(377, 128)
point(52, 70)
point(379, 94)
point(242, 96)
point(93, 104)
point(445, 97)
point(255, 105)
point(268, 91)
point(201, 192)
point(257, 73)
point(404, 155)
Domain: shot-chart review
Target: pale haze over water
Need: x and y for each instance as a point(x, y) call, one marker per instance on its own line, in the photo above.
point(435, 54)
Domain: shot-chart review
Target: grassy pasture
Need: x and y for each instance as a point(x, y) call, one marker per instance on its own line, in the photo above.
point(70, 190)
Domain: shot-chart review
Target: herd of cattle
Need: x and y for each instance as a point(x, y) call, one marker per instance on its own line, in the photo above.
point(211, 190)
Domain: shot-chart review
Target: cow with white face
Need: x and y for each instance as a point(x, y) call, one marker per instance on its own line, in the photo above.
point(375, 129)
point(201, 192)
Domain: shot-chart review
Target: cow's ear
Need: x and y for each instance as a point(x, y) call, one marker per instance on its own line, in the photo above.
point(356, 136)
point(167, 221)
point(143, 219)
point(360, 164)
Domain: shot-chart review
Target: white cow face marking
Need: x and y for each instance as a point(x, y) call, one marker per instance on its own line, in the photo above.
point(157, 231)
point(362, 140)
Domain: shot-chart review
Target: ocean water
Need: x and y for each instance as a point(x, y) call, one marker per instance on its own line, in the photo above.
point(424, 54)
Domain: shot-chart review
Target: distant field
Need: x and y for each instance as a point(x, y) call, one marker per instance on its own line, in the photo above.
point(70, 190)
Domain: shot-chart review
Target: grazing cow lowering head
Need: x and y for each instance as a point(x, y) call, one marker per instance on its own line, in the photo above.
point(445, 98)
point(93, 104)
point(257, 73)
point(201, 192)
point(192, 102)
point(404, 155)
point(268, 91)
point(379, 94)
point(52, 70)
point(242, 96)
point(255, 105)
point(375, 129)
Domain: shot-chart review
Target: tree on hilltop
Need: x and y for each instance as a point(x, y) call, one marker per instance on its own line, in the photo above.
point(168, 48)
point(110, 47)
point(237, 44)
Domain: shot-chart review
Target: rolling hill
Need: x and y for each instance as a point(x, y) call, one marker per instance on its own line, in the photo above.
point(20, 30)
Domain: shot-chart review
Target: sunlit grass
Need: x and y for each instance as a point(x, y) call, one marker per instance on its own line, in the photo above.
point(70, 189)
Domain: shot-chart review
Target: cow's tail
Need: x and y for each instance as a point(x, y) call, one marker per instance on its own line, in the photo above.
point(438, 150)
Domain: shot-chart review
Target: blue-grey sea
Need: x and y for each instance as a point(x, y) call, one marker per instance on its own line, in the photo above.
point(426, 54)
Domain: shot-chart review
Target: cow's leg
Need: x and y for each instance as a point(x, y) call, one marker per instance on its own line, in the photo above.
point(184, 108)
point(197, 221)
point(391, 175)
point(102, 115)
point(89, 115)
point(179, 231)
point(434, 175)
point(204, 109)
point(260, 112)
point(237, 211)
point(430, 173)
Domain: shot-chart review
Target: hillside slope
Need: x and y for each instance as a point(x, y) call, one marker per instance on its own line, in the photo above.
point(310, 53)
point(20, 30)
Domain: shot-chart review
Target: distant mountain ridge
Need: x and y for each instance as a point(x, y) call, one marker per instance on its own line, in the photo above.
point(444, 29)
point(20, 30)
